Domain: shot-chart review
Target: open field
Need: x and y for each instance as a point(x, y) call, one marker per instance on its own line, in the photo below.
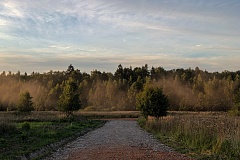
point(34, 116)
point(209, 135)
point(203, 135)
point(23, 134)
point(55, 115)
point(112, 114)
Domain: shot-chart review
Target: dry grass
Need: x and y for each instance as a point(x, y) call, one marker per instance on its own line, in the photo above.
point(110, 114)
point(33, 116)
point(55, 115)
point(209, 134)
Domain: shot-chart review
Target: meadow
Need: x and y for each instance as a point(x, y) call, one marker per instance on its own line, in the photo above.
point(109, 114)
point(22, 134)
point(202, 135)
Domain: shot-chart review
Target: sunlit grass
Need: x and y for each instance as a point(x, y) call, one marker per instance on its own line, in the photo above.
point(208, 135)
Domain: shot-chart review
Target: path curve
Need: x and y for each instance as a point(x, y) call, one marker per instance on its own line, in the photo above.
point(117, 139)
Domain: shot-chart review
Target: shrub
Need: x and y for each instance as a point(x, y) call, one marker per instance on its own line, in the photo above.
point(26, 126)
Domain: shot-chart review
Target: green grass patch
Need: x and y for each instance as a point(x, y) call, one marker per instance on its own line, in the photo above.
point(28, 137)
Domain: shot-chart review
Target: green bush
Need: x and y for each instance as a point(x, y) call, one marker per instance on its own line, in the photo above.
point(26, 126)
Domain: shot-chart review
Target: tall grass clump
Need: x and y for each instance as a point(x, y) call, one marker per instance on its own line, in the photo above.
point(7, 127)
point(203, 135)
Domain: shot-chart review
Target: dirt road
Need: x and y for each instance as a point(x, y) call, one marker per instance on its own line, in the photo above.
point(117, 139)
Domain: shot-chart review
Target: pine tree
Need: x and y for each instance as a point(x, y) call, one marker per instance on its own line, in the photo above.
point(25, 103)
point(152, 102)
point(69, 99)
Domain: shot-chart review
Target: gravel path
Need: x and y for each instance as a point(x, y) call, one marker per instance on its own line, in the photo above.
point(117, 139)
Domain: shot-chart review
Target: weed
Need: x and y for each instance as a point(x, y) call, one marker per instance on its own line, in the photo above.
point(142, 121)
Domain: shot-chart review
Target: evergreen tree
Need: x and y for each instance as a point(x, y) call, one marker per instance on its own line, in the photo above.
point(152, 102)
point(25, 103)
point(69, 99)
point(70, 68)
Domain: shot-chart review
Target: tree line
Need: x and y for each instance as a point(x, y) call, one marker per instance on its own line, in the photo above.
point(186, 89)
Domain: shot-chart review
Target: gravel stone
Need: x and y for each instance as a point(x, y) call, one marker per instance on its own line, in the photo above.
point(115, 140)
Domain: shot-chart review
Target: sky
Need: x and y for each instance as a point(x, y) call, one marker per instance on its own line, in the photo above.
point(44, 35)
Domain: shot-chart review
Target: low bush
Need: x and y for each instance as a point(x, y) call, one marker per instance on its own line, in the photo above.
point(26, 126)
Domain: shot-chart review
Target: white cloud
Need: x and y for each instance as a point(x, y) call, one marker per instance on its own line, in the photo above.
point(168, 33)
point(198, 45)
point(11, 9)
point(3, 22)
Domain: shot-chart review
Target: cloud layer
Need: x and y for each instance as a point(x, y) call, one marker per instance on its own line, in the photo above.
point(100, 34)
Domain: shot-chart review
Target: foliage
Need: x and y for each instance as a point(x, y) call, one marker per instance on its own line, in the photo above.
point(25, 103)
point(187, 89)
point(152, 102)
point(236, 107)
point(69, 99)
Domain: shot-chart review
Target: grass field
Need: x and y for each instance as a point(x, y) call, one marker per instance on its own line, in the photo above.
point(208, 135)
point(55, 115)
point(112, 114)
point(22, 134)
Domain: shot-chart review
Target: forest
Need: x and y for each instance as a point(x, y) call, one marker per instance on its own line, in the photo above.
point(187, 89)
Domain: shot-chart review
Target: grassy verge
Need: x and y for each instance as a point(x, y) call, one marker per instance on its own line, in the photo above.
point(202, 136)
point(22, 138)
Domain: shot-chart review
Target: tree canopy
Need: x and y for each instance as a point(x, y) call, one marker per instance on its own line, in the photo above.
point(187, 89)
